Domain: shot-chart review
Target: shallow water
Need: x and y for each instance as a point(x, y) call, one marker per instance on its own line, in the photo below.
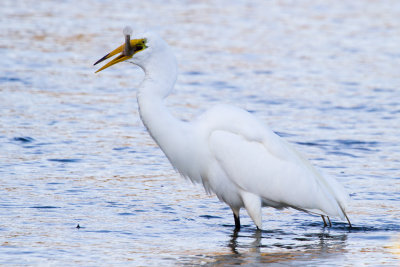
point(324, 75)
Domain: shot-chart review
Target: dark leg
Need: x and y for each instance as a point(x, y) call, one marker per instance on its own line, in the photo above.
point(329, 220)
point(348, 221)
point(323, 218)
point(237, 221)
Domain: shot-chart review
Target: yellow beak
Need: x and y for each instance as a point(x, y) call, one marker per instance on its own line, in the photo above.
point(127, 51)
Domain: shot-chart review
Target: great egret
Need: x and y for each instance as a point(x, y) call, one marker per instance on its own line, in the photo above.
point(227, 149)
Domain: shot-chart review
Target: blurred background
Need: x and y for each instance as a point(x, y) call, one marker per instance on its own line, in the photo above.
point(324, 75)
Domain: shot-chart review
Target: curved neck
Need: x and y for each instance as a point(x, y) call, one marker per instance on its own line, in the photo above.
point(165, 129)
point(153, 112)
point(161, 72)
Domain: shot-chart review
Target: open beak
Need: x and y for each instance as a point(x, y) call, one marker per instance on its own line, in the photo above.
point(116, 60)
point(127, 51)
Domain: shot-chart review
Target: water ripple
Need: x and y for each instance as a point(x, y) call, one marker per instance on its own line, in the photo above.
point(74, 151)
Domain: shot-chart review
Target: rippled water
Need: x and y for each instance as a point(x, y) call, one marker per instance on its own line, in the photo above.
point(323, 74)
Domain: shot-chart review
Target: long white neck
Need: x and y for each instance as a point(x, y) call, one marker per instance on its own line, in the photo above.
point(168, 132)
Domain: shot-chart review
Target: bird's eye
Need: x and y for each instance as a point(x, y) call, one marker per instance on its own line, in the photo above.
point(141, 45)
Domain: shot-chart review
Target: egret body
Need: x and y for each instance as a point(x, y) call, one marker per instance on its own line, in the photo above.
point(226, 149)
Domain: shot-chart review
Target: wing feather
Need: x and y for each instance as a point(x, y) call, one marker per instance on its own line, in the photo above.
point(264, 164)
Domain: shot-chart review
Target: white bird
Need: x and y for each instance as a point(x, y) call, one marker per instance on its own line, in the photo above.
point(226, 149)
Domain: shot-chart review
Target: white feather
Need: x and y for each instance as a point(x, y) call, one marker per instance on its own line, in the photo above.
point(229, 151)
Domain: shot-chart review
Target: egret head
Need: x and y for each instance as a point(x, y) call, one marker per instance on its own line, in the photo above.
point(127, 50)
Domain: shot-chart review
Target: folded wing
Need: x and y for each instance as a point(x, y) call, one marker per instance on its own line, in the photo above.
point(260, 162)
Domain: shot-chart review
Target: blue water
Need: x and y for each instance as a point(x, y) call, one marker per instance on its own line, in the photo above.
point(323, 74)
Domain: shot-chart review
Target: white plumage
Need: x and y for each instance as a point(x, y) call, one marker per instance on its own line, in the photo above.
point(227, 149)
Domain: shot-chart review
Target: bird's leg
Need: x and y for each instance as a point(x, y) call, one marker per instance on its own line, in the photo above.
point(323, 218)
point(329, 220)
point(348, 221)
point(237, 221)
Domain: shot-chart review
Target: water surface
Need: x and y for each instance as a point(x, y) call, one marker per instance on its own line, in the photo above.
point(323, 74)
